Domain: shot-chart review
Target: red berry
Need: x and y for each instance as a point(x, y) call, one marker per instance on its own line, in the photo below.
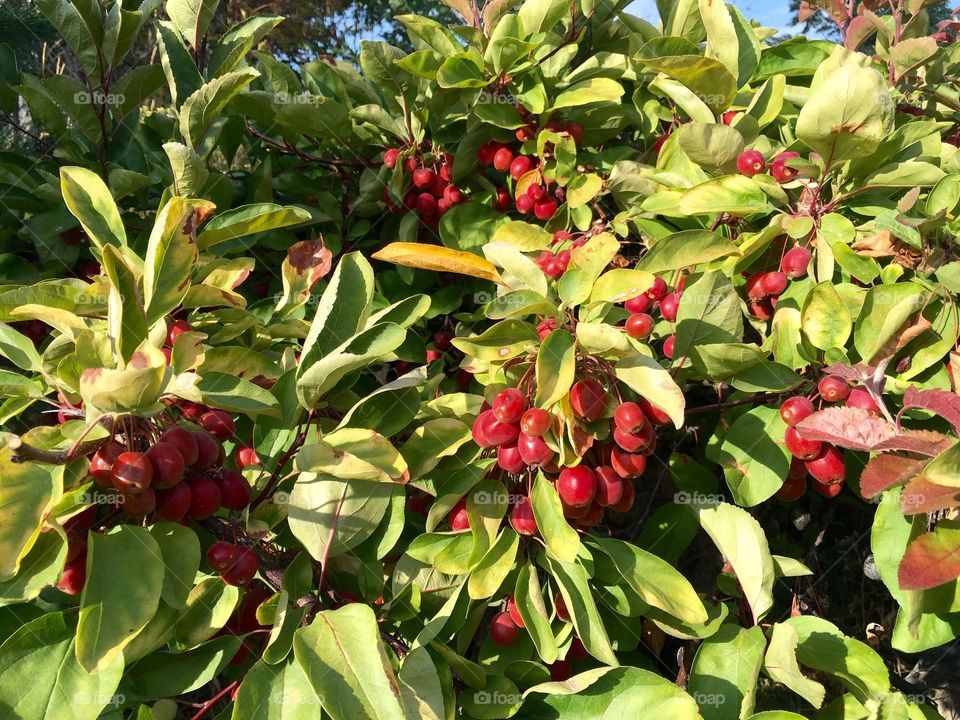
point(668, 346)
point(560, 671)
point(74, 576)
point(185, 442)
point(535, 422)
point(577, 486)
point(658, 291)
point(208, 450)
point(577, 651)
point(174, 503)
point(502, 159)
point(828, 491)
point(534, 451)
point(609, 486)
point(390, 158)
point(525, 133)
point(588, 399)
point(751, 162)
point(653, 413)
point(779, 169)
point(728, 116)
point(545, 209)
point(861, 398)
point(410, 164)
point(626, 500)
point(833, 388)
point(509, 405)
point(561, 608)
point(638, 304)
point(423, 177)
point(536, 192)
point(510, 460)
point(167, 463)
point(800, 447)
point(204, 497)
point(143, 503)
point(774, 283)
point(626, 464)
point(796, 409)
point(244, 569)
point(177, 328)
point(828, 467)
point(761, 309)
point(553, 269)
point(575, 130)
point(131, 473)
point(792, 489)
point(520, 166)
point(629, 417)
point(218, 423)
point(514, 611)
point(640, 441)
point(102, 462)
point(545, 327)
point(489, 432)
point(503, 631)
point(452, 194)
point(426, 204)
point(639, 326)
point(669, 306)
point(245, 456)
point(458, 518)
point(524, 204)
point(563, 259)
point(795, 262)
point(754, 287)
point(222, 555)
point(234, 490)
point(502, 200)
point(486, 152)
point(522, 519)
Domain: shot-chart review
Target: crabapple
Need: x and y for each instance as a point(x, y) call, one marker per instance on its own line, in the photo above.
point(561, 608)
point(795, 262)
point(796, 409)
point(522, 519)
point(861, 398)
point(658, 291)
point(828, 467)
point(751, 162)
point(489, 432)
point(587, 397)
point(222, 555)
point(638, 304)
point(629, 417)
point(458, 518)
point(524, 204)
point(390, 158)
point(609, 486)
point(132, 473)
point(204, 497)
point(639, 326)
point(167, 464)
point(792, 489)
point(423, 177)
point(534, 451)
point(509, 405)
point(800, 447)
point(177, 328)
point(577, 486)
point(514, 611)
point(502, 159)
point(173, 503)
point(669, 306)
point(781, 172)
point(74, 576)
point(833, 388)
point(626, 499)
point(234, 490)
point(626, 464)
point(503, 631)
point(774, 283)
point(510, 460)
point(208, 450)
point(243, 570)
point(535, 422)
point(520, 166)
point(668, 346)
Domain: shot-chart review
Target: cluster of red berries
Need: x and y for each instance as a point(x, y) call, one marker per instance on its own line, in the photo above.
point(764, 287)
point(752, 162)
point(822, 461)
point(505, 630)
point(536, 198)
point(660, 297)
point(432, 193)
point(237, 565)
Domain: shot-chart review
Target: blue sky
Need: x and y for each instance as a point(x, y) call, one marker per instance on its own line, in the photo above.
point(772, 13)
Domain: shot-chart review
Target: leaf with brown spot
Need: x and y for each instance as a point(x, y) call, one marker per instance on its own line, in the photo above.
point(849, 427)
point(880, 244)
point(885, 471)
point(932, 559)
point(306, 263)
point(922, 496)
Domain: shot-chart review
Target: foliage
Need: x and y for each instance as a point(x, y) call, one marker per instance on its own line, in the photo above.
point(469, 380)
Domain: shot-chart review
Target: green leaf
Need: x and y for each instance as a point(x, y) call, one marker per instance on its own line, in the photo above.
point(709, 312)
point(561, 539)
point(586, 92)
point(435, 439)
point(501, 341)
point(885, 309)
point(730, 39)
point(647, 378)
point(125, 574)
point(848, 115)
point(687, 248)
point(425, 686)
point(533, 611)
point(780, 663)
point(742, 541)
point(236, 394)
point(168, 674)
point(27, 492)
point(583, 188)
point(40, 568)
point(621, 284)
point(732, 194)
point(247, 220)
point(275, 692)
point(714, 147)
point(655, 580)
point(209, 606)
point(180, 548)
point(572, 579)
point(825, 319)
point(189, 171)
point(556, 366)
point(206, 104)
point(725, 671)
point(191, 18)
point(40, 676)
point(345, 662)
point(753, 456)
point(179, 66)
point(90, 201)
point(708, 79)
point(496, 564)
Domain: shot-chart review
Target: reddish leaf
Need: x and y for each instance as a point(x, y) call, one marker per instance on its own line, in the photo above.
point(931, 560)
point(940, 402)
point(921, 442)
point(922, 496)
point(860, 372)
point(310, 258)
point(885, 471)
point(849, 427)
point(859, 29)
point(805, 11)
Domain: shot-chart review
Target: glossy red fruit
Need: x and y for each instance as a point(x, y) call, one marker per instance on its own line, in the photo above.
point(185, 442)
point(177, 328)
point(534, 451)
point(514, 611)
point(486, 152)
point(503, 631)
point(792, 489)
point(102, 462)
point(234, 490)
point(751, 162)
point(423, 177)
point(222, 555)
point(536, 192)
point(390, 158)
point(561, 608)
point(535, 422)
point(653, 413)
point(774, 283)
point(501, 200)
point(521, 166)
point(458, 518)
point(208, 450)
point(525, 204)
point(452, 195)
point(244, 569)
point(796, 409)
point(754, 287)
point(426, 204)
point(74, 576)
point(728, 116)
point(522, 519)
point(626, 499)
point(553, 269)
point(131, 473)
point(577, 486)
point(779, 168)
point(638, 304)
point(525, 133)
point(861, 398)
point(629, 417)
point(828, 491)
point(510, 460)
point(508, 405)
point(489, 432)
point(245, 456)
point(639, 326)
point(609, 486)
point(218, 423)
point(173, 504)
point(143, 503)
point(668, 346)
point(658, 291)
point(545, 327)
point(635, 442)
point(833, 388)
point(574, 513)
point(626, 464)
point(795, 262)
point(545, 209)
point(669, 307)
point(410, 164)
point(587, 397)
point(502, 159)
point(828, 467)
point(204, 497)
point(167, 463)
point(761, 309)
point(575, 130)
point(577, 651)
point(800, 447)
point(192, 410)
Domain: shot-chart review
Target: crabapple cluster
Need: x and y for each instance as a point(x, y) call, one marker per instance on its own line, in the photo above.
point(431, 192)
point(752, 162)
point(642, 308)
point(766, 286)
point(505, 630)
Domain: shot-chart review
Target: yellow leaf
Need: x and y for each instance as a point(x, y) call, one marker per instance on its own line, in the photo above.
point(440, 259)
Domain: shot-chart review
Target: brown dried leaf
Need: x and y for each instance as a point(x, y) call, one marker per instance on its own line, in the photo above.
point(878, 245)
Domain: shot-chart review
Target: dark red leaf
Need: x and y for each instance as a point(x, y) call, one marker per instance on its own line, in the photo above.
point(310, 258)
point(921, 442)
point(885, 471)
point(849, 427)
point(859, 372)
point(931, 560)
point(940, 402)
point(922, 496)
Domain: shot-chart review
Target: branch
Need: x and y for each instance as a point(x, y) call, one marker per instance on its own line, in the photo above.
point(22, 452)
